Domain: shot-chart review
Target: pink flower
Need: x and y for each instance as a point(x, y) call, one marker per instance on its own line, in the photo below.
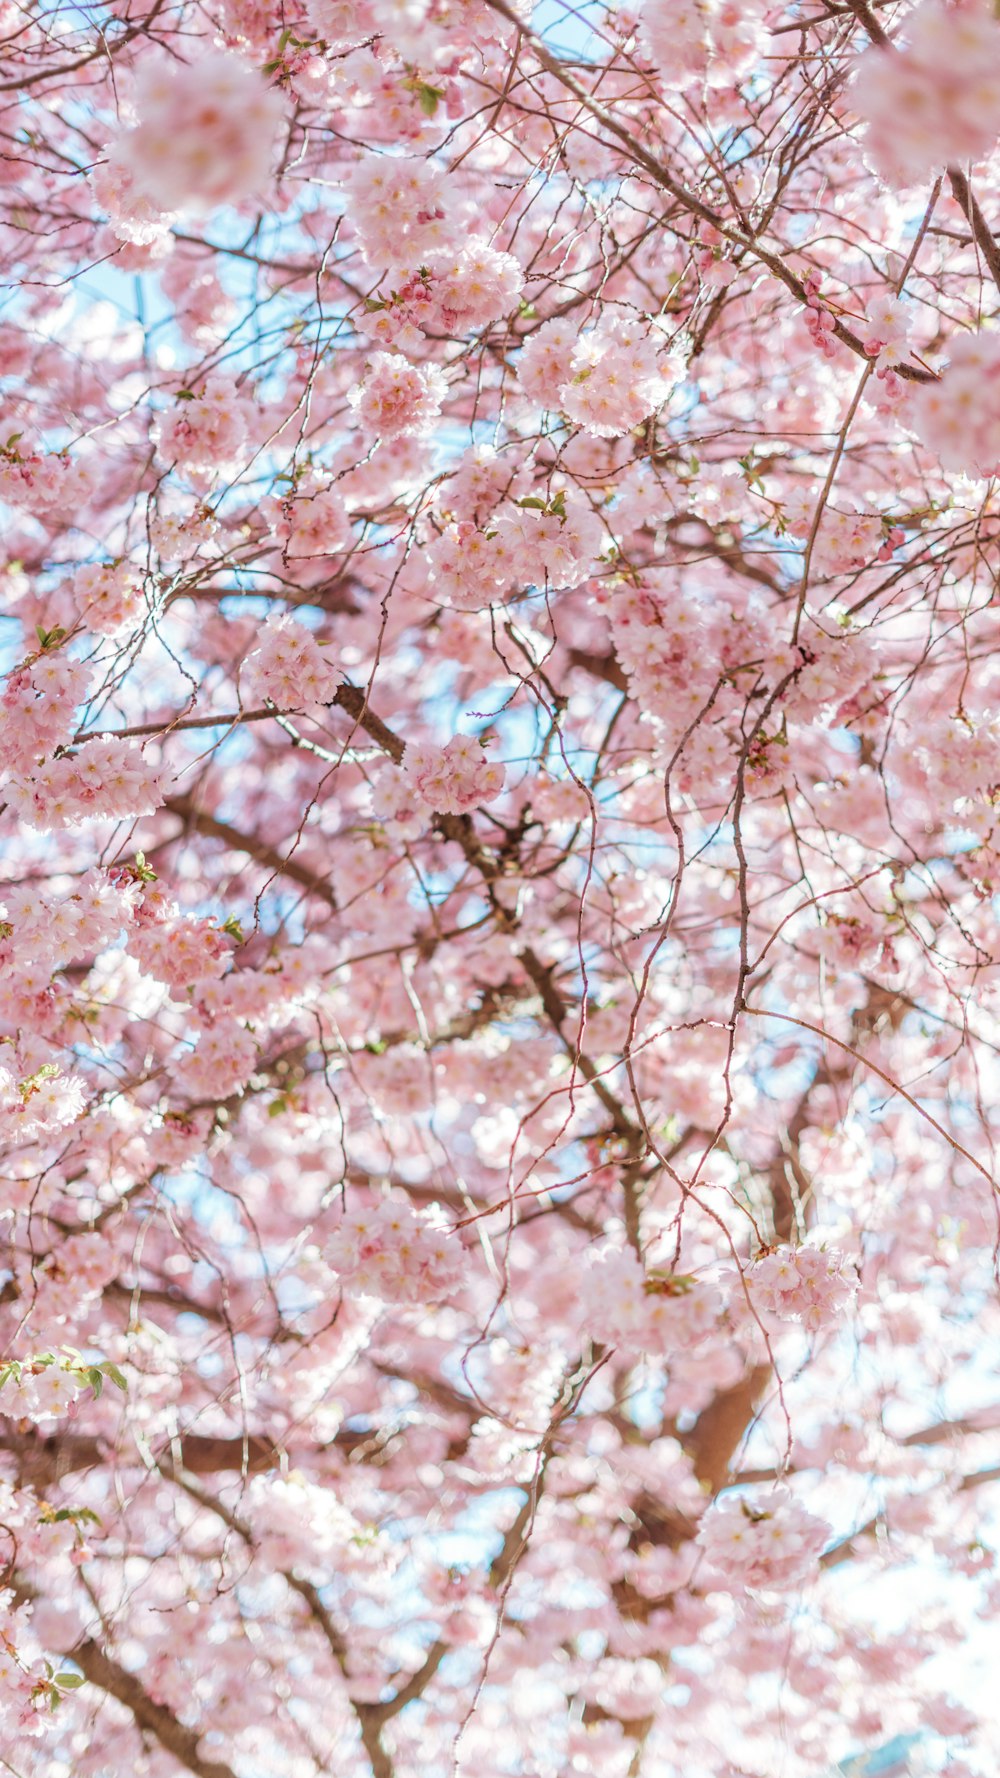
point(477, 286)
point(545, 361)
point(395, 397)
point(709, 40)
point(467, 567)
point(177, 950)
point(654, 1312)
point(317, 525)
point(102, 780)
point(619, 374)
point(207, 432)
point(38, 708)
point(397, 207)
point(766, 1542)
point(133, 215)
point(289, 669)
point(109, 596)
point(207, 132)
point(221, 1063)
point(453, 778)
point(936, 99)
point(807, 1284)
point(958, 416)
point(391, 1251)
point(43, 1394)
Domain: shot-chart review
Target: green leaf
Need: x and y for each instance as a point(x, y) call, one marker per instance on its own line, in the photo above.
point(430, 98)
point(116, 1376)
point(50, 638)
point(69, 1682)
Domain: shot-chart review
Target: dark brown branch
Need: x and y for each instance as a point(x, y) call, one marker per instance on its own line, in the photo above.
point(250, 845)
point(182, 1743)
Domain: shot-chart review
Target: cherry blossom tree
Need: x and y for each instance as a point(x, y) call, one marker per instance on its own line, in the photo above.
point(499, 941)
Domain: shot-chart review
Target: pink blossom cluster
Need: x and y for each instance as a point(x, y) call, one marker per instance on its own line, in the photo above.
point(452, 778)
point(45, 930)
point(72, 1276)
point(38, 707)
point(391, 1251)
point(554, 542)
point(263, 997)
point(533, 541)
point(715, 270)
point(768, 1542)
point(888, 325)
point(42, 1392)
point(206, 433)
point(176, 948)
point(608, 379)
point(960, 758)
point(397, 208)
point(451, 294)
point(101, 780)
point(399, 808)
point(108, 596)
point(207, 131)
point(469, 568)
point(179, 531)
point(132, 215)
point(807, 1284)
point(476, 285)
point(855, 942)
point(314, 524)
point(713, 41)
point(481, 480)
point(53, 486)
point(220, 1062)
point(843, 540)
point(958, 416)
point(341, 23)
point(660, 644)
point(818, 318)
point(289, 669)
point(656, 1313)
point(396, 398)
point(933, 99)
point(545, 361)
point(37, 1104)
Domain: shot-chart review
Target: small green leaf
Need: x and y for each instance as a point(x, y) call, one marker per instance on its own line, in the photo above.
point(69, 1682)
point(430, 98)
point(116, 1376)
